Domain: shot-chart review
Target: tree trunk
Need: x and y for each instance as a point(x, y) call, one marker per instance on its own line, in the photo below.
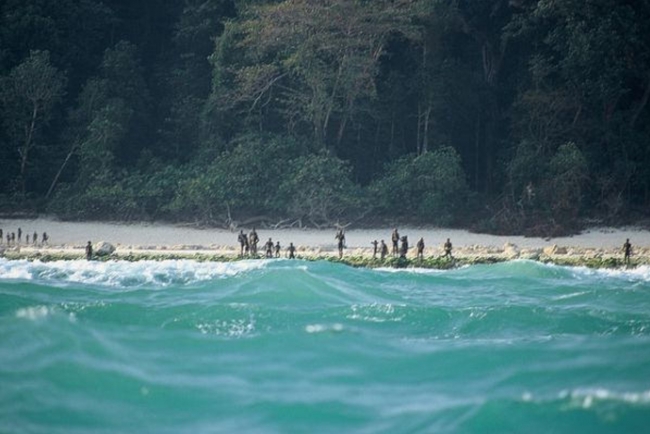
point(60, 171)
point(425, 138)
point(24, 152)
point(642, 104)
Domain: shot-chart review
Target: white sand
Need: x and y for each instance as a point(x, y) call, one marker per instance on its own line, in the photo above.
point(173, 237)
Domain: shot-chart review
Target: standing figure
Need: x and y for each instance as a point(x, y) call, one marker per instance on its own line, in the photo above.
point(20, 235)
point(627, 249)
point(292, 250)
point(395, 239)
point(447, 248)
point(243, 242)
point(89, 251)
point(253, 239)
point(374, 249)
point(420, 246)
point(277, 249)
point(383, 250)
point(269, 248)
point(340, 236)
point(405, 247)
point(45, 237)
point(35, 239)
point(1, 239)
point(27, 239)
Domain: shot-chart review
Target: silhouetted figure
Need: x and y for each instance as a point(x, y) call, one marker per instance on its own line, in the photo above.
point(13, 238)
point(627, 250)
point(447, 248)
point(404, 248)
point(374, 249)
point(20, 235)
point(27, 239)
point(253, 239)
point(269, 248)
point(292, 251)
point(340, 236)
point(383, 250)
point(420, 247)
point(89, 251)
point(35, 239)
point(277, 249)
point(2, 240)
point(395, 239)
point(45, 238)
point(243, 242)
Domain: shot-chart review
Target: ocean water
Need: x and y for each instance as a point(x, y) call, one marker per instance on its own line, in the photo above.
point(285, 346)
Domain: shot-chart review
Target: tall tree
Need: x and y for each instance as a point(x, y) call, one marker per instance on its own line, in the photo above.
point(30, 93)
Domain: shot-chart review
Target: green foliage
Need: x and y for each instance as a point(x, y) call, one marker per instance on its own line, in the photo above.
point(318, 188)
point(29, 94)
point(569, 175)
point(242, 181)
point(201, 110)
point(430, 188)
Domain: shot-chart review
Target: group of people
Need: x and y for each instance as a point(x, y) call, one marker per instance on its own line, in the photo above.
point(16, 238)
point(248, 246)
point(400, 246)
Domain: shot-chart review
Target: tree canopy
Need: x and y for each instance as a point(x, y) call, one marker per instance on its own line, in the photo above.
point(524, 116)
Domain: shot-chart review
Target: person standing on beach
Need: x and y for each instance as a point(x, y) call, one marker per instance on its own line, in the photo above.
point(45, 238)
point(383, 250)
point(253, 239)
point(89, 251)
point(447, 248)
point(269, 248)
point(340, 236)
point(27, 239)
point(277, 249)
point(243, 241)
point(20, 235)
point(420, 246)
point(34, 240)
point(1, 239)
point(374, 249)
point(292, 250)
point(405, 247)
point(395, 239)
point(627, 250)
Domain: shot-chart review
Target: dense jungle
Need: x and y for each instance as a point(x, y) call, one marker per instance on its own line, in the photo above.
point(503, 116)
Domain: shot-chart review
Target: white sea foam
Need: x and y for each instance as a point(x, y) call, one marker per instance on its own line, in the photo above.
point(33, 312)
point(637, 274)
point(410, 270)
point(236, 328)
point(374, 312)
point(586, 398)
point(124, 273)
point(323, 328)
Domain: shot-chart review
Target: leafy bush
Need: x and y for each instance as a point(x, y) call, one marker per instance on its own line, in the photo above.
point(430, 188)
point(319, 189)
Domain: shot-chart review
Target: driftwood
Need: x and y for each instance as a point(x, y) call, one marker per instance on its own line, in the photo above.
point(266, 222)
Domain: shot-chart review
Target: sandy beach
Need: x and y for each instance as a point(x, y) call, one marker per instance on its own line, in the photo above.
point(66, 236)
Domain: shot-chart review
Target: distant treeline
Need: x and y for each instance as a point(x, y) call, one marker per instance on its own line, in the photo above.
point(524, 116)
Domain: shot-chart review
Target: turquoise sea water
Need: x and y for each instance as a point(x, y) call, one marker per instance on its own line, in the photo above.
point(290, 346)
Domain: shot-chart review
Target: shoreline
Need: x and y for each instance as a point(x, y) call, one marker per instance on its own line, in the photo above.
point(595, 247)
